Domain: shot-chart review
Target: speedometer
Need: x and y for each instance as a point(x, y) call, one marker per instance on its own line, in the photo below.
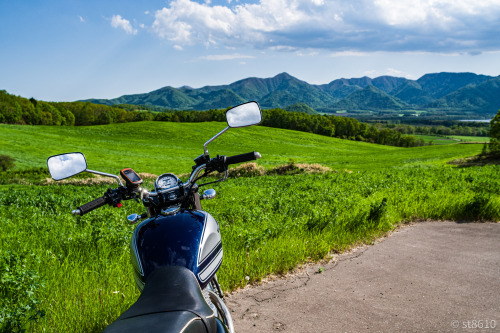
point(167, 180)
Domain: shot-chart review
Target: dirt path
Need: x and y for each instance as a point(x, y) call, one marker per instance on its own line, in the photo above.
point(430, 277)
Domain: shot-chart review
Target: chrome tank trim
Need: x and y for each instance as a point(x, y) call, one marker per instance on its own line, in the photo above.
point(210, 252)
point(134, 257)
point(210, 237)
point(170, 210)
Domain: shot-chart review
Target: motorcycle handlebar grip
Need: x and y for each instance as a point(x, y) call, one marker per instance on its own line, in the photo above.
point(90, 206)
point(242, 158)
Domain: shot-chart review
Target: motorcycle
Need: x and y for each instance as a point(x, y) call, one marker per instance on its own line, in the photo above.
point(176, 249)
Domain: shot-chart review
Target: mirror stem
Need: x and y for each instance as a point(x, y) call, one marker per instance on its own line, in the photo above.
point(105, 174)
point(212, 139)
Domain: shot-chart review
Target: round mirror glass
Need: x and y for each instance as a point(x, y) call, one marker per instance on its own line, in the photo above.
point(247, 114)
point(66, 165)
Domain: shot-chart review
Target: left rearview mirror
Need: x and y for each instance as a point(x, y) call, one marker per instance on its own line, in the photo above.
point(243, 115)
point(66, 165)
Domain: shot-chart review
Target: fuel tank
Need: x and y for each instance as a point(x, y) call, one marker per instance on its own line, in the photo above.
point(189, 238)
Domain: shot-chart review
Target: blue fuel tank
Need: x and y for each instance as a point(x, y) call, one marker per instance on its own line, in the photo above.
point(188, 238)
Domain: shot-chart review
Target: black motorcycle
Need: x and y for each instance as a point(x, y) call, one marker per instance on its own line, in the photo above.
point(176, 249)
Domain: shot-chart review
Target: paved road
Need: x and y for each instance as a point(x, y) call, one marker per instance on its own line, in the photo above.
point(429, 277)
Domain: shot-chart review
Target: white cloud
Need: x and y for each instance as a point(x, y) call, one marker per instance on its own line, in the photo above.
point(390, 72)
point(338, 25)
point(307, 54)
point(396, 72)
point(119, 22)
point(445, 13)
point(81, 19)
point(349, 54)
point(222, 57)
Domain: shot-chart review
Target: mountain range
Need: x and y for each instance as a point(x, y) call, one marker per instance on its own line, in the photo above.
point(436, 91)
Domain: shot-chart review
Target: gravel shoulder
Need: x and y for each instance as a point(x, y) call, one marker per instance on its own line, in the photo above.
point(428, 277)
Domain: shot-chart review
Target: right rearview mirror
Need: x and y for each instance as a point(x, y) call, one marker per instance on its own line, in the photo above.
point(66, 165)
point(243, 115)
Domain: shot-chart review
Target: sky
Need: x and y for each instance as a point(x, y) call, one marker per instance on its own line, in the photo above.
point(57, 50)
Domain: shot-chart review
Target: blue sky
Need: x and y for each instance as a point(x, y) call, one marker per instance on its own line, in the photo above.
point(74, 49)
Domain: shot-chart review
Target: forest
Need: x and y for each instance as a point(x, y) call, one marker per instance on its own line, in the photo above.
point(19, 110)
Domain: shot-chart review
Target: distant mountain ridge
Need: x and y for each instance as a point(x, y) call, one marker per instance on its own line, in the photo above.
point(457, 91)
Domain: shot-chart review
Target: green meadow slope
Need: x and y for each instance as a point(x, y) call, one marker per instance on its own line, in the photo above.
point(157, 147)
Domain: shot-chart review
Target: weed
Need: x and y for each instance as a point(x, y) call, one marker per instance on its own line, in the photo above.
point(19, 292)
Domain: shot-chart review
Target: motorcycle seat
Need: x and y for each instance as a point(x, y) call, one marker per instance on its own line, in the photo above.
point(171, 301)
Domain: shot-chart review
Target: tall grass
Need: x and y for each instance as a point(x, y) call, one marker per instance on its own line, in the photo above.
point(62, 273)
point(269, 224)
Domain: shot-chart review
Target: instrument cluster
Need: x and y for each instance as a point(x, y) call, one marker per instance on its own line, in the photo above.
point(167, 180)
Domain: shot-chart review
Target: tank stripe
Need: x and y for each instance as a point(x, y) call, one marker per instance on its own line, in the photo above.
point(212, 267)
point(210, 257)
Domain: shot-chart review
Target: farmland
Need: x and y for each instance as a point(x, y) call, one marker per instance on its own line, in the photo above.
point(76, 270)
point(452, 139)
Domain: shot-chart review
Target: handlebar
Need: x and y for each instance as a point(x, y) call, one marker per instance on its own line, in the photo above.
point(220, 163)
point(90, 206)
point(243, 158)
point(113, 197)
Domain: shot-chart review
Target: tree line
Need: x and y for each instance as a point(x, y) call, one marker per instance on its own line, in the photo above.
point(494, 146)
point(19, 110)
point(441, 130)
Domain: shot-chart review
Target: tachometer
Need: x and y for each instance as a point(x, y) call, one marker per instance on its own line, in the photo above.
point(167, 180)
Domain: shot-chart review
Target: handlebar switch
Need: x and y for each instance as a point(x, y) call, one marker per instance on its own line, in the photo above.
point(217, 164)
point(115, 196)
point(202, 159)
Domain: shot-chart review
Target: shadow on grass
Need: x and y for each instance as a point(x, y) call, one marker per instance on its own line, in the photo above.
point(477, 160)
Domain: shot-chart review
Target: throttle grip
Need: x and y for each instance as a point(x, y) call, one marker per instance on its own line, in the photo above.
point(242, 158)
point(90, 206)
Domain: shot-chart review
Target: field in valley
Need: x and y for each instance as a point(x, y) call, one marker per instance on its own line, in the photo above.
point(75, 271)
point(452, 139)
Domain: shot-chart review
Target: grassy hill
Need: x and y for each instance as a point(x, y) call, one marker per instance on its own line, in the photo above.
point(76, 270)
point(157, 147)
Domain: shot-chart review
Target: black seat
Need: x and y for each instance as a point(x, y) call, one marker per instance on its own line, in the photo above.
point(171, 301)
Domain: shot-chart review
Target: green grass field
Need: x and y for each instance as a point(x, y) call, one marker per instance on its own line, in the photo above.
point(452, 139)
point(156, 147)
point(481, 139)
point(76, 272)
point(438, 140)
